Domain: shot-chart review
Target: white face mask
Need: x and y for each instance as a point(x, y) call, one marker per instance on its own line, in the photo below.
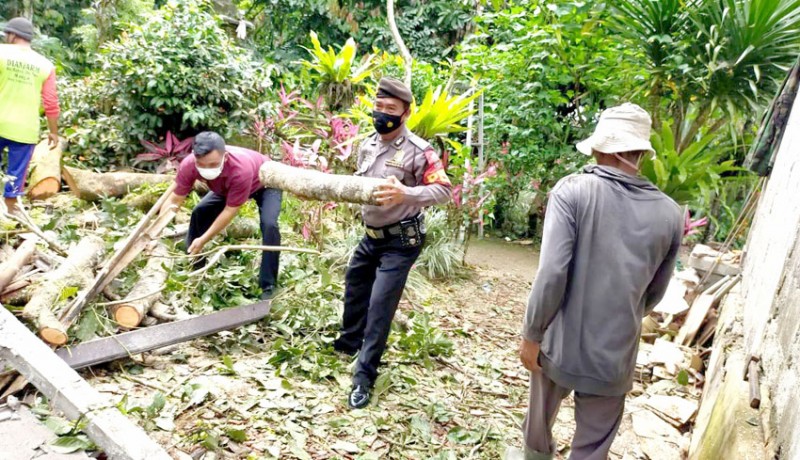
point(211, 173)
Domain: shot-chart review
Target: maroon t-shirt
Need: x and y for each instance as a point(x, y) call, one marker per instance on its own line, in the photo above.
point(238, 181)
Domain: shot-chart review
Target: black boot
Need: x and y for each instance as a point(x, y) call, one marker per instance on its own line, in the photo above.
point(359, 397)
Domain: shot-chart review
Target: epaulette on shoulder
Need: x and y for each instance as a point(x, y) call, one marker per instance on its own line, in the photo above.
point(419, 142)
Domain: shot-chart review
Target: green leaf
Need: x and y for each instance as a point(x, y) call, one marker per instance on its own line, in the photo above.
point(159, 401)
point(460, 435)
point(67, 292)
point(683, 377)
point(69, 444)
point(58, 425)
point(236, 435)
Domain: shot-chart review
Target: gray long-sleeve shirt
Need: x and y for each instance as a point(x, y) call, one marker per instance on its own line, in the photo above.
point(609, 248)
point(413, 162)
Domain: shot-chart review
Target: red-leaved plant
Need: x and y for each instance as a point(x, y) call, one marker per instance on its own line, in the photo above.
point(170, 153)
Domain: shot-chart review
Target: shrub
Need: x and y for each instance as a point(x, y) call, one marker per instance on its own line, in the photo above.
point(177, 72)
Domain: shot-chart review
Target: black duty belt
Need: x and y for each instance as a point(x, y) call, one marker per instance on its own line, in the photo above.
point(410, 229)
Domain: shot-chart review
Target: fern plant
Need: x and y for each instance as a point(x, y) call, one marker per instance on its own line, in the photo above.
point(339, 76)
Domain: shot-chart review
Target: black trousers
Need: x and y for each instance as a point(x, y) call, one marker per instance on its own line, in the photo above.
point(269, 207)
point(374, 283)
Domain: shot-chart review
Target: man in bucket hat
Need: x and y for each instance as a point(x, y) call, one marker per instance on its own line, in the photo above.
point(608, 250)
point(27, 82)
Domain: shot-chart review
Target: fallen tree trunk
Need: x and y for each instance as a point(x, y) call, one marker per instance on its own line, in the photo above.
point(75, 271)
point(146, 291)
point(91, 186)
point(44, 179)
point(67, 392)
point(20, 258)
point(316, 185)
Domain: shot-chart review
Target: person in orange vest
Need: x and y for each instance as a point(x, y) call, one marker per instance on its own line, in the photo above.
point(27, 82)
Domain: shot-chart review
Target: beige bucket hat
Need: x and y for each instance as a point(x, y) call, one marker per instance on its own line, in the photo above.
point(624, 128)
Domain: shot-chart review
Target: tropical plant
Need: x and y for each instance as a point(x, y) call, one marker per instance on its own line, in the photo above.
point(547, 70)
point(711, 61)
point(695, 172)
point(440, 113)
point(338, 78)
point(170, 153)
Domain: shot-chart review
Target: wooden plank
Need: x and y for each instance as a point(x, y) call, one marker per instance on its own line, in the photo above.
point(153, 337)
point(67, 392)
point(698, 313)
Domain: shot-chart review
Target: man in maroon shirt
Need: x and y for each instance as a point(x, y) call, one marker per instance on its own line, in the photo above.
point(231, 174)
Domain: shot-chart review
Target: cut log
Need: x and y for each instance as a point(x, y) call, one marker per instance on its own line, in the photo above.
point(121, 257)
point(146, 291)
point(316, 185)
point(92, 186)
point(44, 178)
point(150, 338)
point(75, 271)
point(68, 393)
point(20, 258)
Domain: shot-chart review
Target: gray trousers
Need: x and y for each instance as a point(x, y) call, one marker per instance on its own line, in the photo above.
point(597, 419)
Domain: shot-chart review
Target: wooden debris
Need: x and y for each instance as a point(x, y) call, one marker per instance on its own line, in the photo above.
point(707, 259)
point(146, 291)
point(754, 377)
point(162, 335)
point(119, 437)
point(697, 314)
point(21, 257)
point(74, 272)
point(164, 313)
point(123, 256)
point(674, 302)
point(674, 409)
point(673, 357)
point(17, 297)
point(316, 185)
point(44, 179)
point(25, 221)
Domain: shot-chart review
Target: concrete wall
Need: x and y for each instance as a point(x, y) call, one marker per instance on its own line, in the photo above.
point(771, 290)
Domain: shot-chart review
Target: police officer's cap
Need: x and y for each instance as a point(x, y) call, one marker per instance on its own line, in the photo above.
point(392, 87)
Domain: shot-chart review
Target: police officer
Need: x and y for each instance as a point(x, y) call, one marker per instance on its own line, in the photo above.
point(395, 232)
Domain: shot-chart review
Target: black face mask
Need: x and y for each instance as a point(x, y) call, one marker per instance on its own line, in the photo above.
point(385, 123)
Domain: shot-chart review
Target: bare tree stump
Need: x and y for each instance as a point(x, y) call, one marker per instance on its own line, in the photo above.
point(75, 271)
point(146, 290)
point(316, 185)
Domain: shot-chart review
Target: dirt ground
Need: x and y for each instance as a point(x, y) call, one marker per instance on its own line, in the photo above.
point(467, 405)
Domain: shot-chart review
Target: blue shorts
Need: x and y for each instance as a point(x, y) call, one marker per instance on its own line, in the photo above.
point(16, 165)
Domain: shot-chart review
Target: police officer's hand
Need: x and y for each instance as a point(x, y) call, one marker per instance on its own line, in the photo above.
point(529, 355)
point(391, 193)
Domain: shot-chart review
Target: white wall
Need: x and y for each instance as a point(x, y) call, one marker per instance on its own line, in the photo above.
point(771, 288)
